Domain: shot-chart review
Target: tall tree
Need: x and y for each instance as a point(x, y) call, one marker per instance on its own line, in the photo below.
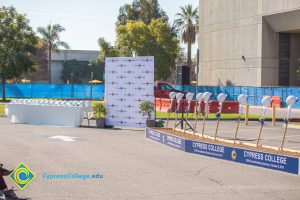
point(41, 57)
point(18, 44)
point(187, 25)
point(141, 10)
point(155, 40)
point(106, 49)
point(51, 38)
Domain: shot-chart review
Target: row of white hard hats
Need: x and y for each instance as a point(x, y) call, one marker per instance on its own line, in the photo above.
point(242, 98)
point(200, 96)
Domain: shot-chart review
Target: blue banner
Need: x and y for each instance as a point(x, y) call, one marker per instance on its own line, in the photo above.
point(85, 91)
point(57, 91)
point(170, 140)
point(244, 156)
point(256, 158)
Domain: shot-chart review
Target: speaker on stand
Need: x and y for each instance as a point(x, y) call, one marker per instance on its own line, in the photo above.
point(183, 75)
point(183, 78)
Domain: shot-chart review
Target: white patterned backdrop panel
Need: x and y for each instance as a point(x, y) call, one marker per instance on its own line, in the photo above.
point(128, 82)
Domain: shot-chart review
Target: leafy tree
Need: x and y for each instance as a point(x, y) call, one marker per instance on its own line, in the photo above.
point(17, 45)
point(51, 38)
point(106, 49)
point(187, 25)
point(42, 62)
point(155, 40)
point(133, 37)
point(141, 10)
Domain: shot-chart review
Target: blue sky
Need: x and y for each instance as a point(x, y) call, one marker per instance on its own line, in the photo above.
point(85, 21)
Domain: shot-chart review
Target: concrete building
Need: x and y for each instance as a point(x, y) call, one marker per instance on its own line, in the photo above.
point(58, 60)
point(249, 42)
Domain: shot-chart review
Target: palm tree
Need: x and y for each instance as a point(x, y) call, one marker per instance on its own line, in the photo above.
point(186, 23)
point(50, 36)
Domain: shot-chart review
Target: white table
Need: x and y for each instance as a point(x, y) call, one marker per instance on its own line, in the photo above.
point(45, 114)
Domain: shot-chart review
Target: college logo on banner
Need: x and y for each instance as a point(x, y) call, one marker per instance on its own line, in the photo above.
point(128, 82)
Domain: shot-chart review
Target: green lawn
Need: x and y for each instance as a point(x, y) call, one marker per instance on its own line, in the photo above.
point(2, 112)
point(296, 123)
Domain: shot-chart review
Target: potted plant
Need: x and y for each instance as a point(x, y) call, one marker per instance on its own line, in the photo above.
point(99, 113)
point(146, 109)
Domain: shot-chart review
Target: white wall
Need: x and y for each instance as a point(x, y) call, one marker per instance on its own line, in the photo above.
point(230, 29)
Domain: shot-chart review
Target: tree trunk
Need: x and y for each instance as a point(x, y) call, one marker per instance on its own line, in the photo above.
point(3, 88)
point(189, 54)
point(49, 63)
point(190, 57)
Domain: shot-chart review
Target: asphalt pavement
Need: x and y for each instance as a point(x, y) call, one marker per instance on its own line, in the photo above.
point(134, 167)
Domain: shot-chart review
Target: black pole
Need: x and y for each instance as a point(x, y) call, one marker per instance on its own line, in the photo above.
point(91, 91)
point(3, 88)
point(72, 89)
point(182, 109)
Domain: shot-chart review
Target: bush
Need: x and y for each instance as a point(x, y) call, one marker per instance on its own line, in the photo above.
point(146, 108)
point(99, 110)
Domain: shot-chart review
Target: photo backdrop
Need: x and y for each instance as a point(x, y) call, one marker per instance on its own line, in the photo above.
point(128, 82)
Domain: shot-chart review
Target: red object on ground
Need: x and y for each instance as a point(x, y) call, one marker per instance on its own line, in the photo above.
point(163, 104)
point(157, 103)
point(166, 103)
point(228, 107)
point(276, 100)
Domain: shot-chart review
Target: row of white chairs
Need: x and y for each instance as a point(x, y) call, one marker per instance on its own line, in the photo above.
point(45, 102)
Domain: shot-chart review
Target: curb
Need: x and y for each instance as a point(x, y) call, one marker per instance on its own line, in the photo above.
point(292, 126)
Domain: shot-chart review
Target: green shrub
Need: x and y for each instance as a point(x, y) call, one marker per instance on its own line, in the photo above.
point(99, 110)
point(146, 108)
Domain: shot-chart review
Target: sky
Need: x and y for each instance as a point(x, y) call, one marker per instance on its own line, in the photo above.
point(84, 20)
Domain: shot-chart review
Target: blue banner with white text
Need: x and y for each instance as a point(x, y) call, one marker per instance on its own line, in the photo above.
point(256, 158)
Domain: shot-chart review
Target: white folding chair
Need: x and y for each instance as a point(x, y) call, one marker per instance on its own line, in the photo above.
point(88, 111)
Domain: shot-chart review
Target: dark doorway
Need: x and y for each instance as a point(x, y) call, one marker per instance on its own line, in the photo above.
point(284, 59)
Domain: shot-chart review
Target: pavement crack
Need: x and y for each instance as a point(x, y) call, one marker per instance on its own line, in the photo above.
point(202, 169)
point(215, 181)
